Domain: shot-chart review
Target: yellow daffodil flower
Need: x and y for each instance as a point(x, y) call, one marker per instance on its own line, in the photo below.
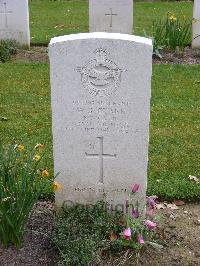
point(172, 18)
point(45, 173)
point(56, 186)
point(39, 146)
point(36, 158)
point(20, 147)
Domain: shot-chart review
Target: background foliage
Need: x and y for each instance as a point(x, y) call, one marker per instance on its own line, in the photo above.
point(54, 18)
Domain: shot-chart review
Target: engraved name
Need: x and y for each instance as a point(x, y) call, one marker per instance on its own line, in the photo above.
point(100, 116)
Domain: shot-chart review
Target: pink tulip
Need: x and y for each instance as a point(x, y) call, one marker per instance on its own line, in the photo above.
point(140, 239)
point(151, 206)
point(150, 225)
point(135, 214)
point(135, 188)
point(151, 202)
point(127, 233)
point(150, 212)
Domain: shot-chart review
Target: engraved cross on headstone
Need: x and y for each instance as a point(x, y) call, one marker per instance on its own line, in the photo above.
point(5, 12)
point(101, 155)
point(111, 17)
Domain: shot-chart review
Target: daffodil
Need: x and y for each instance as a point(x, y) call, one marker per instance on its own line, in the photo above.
point(36, 158)
point(56, 186)
point(20, 147)
point(39, 146)
point(172, 18)
point(45, 173)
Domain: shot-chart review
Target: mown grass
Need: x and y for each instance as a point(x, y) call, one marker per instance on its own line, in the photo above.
point(175, 121)
point(25, 113)
point(174, 138)
point(53, 18)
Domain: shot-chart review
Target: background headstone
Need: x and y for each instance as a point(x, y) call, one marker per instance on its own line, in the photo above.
point(14, 21)
point(100, 107)
point(111, 16)
point(196, 24)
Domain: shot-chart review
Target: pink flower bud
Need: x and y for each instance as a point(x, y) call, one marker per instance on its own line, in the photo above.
point(135, 214)
point(150, 212)
point(150, 225)
point(140, 239)
point(127, 233)
point(135, 188)
point(151, 201)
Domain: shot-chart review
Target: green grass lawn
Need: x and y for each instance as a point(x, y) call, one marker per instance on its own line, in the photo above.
point(175, 121)
point(54, 18)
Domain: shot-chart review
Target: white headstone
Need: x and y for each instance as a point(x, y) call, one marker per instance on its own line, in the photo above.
point(196, 24)
point(111, 16)
point(14, 21)
point(100, 107)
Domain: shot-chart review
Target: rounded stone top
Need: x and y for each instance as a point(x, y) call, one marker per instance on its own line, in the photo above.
point(101, 35)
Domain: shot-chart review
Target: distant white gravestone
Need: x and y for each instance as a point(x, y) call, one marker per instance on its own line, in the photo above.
point(111, 16)
point(196, 24)
point(14, 21)
point(100, 84)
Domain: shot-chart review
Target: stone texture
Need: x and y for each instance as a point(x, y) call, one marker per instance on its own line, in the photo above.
point(100, 86)
point(196, 24)
point(14, 21)
point(111, 16)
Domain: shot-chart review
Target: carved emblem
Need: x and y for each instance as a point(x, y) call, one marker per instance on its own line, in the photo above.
point(100, 76)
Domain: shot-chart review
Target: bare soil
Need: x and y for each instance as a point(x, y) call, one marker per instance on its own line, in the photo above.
point(37, 249)
point(188, 56)
point(40, 54)
point(35, 54)
point(179, 231)
point(180, 235)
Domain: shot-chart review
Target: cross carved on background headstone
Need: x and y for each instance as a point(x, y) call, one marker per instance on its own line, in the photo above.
point(111, 17)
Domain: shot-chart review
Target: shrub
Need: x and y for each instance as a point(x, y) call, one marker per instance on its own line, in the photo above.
point(21, 184)
point(7, 48)
point(82, 233)
point(172, 32)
